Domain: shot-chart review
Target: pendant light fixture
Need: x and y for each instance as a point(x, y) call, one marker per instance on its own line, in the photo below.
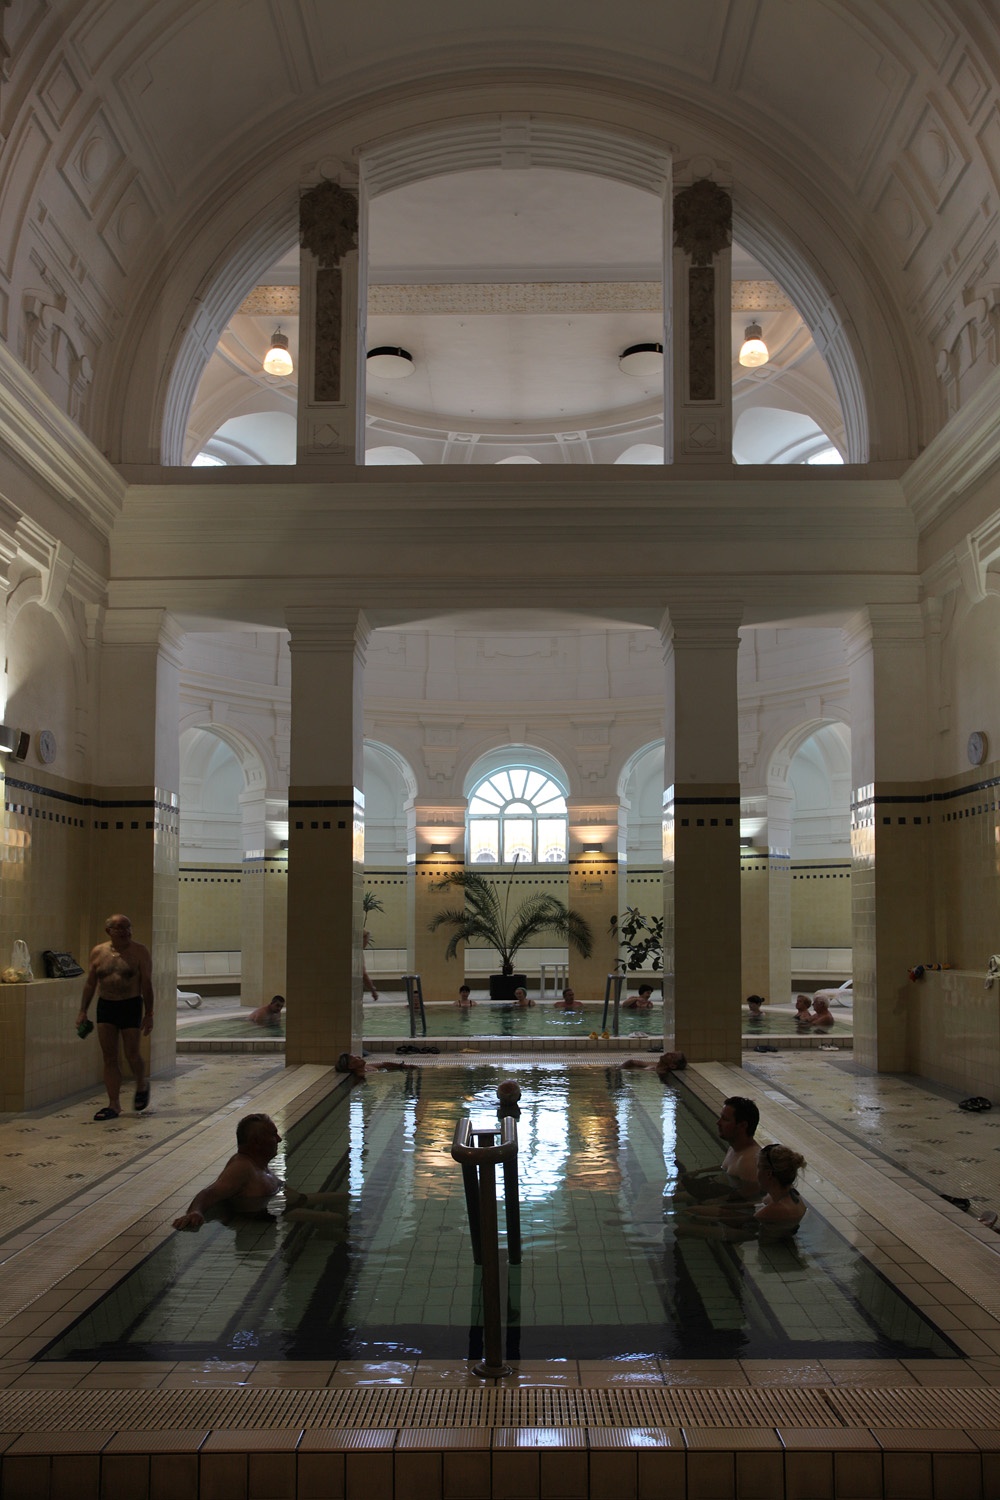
point(277, 360)
point(754, 351)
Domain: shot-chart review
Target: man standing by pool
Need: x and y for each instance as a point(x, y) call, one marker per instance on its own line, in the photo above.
point(121, 974)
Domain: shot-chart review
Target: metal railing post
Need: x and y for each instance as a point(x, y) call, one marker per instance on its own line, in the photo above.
point(478, 1164)
point(613, 985)
point(415, 998)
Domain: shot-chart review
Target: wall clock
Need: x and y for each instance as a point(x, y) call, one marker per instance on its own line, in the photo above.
point(47, 746)
point(977, 747)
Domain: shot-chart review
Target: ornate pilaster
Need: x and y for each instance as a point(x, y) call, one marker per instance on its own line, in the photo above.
point(328, 431)
point(701, 322)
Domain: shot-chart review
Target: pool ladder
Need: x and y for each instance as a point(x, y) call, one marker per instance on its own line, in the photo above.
point(479, 1163)
point(415, 1003)
point(612, 993)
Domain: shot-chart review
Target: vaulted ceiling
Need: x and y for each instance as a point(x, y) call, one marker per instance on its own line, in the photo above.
point(153, 156)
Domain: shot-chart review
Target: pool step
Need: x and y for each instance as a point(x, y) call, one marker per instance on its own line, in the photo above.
point(636, 1442)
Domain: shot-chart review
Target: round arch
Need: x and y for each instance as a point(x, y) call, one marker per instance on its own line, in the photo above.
point(625, 143)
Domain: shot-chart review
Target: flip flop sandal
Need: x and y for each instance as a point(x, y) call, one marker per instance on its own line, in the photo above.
point(400, 1051)
point(977, 1105)
point(427, 1049)
point(141, 1099)
point(962, 1203)
point(107, 1113)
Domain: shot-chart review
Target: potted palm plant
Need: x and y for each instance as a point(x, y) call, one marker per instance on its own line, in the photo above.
point(486, 918)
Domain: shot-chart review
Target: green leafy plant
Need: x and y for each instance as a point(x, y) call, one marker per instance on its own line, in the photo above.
point(487, 918)
point(642, 939)
point(370, 902)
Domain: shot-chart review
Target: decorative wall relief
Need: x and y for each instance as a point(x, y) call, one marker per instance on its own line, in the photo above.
point(328, 227)
point(701, 333)
point(329, 319)
point(703, 221)
point(328, 222)
point(703, 227)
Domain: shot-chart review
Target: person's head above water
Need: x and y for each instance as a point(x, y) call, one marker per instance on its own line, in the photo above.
point(738, 1121)
point(508, 1091)
point(464, 993)
point(780, 1163)
point(672, 1062)
point(520, 997)
point(275, 1003)
point(257, 1137)
point(350, 1062)
point(802, 1002)
point(755, 1002)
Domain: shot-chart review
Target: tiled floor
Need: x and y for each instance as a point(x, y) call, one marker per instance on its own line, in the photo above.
point(84, 1201)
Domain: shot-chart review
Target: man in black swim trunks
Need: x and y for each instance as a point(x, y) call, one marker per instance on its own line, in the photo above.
point(121, 974)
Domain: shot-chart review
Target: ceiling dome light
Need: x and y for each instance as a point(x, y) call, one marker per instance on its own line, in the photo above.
point(754, 350)
point(642, 360)
point(277, 360)
point(388, 363)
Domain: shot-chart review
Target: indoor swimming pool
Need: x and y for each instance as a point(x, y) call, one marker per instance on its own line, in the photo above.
point(604, 1275)
point(390, 1019)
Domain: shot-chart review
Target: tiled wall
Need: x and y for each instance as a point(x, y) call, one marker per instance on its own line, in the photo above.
point(71, 855)
point(41, 1056)
point(953, 1025)
point(209, 911)
point(44, 866)
point(821, 903)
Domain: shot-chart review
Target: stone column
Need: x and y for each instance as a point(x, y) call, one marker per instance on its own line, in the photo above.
point(766, 891)
point(593, 890)
point(891, 873)
point(325, 833)
point(264, 896)
point(439, 848)
point(702, 401)
point(701, 827)
point(135, 850)
point(330, 421)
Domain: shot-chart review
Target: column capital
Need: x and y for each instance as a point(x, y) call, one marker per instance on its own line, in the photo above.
point(144, 627)
point(701, 623)
point(888, 625)
point(324, 627)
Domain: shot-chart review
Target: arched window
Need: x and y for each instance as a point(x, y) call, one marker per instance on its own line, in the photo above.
point(517, 813)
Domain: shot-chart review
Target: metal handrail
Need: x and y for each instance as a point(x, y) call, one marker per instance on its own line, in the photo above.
point(415, 999)
point(614, 984)
point(478, 1163)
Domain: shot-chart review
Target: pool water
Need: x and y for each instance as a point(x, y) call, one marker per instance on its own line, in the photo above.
point(392, 1020)
point(488, 1019)
point(604, 1275)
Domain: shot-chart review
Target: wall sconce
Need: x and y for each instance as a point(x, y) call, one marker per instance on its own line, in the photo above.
point(593, 848)
point(277, 360)
point(746, 843)
point(440, 848)
point(14, 742)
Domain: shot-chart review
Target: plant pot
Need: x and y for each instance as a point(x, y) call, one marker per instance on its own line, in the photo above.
point(502, 986)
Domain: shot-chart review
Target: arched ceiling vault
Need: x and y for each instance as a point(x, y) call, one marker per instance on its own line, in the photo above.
point(147, 149)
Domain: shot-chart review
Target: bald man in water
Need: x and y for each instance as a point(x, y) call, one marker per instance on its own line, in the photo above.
point(246, 1184)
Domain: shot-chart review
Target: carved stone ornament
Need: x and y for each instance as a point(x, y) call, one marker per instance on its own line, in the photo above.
point(328, 222)
point(703, 220)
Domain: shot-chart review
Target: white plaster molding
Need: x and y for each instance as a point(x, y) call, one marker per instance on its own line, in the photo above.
point(962, 454)
point(51, 446)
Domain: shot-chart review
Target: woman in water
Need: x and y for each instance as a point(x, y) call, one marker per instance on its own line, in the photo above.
point(779, 1212)
point(777, 1169)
